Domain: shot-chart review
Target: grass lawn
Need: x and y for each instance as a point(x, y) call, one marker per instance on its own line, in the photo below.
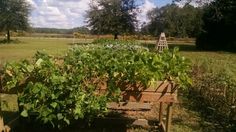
point(27, 47)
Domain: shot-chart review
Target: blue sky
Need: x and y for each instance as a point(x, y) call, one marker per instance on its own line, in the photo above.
point(160, 3)
point(70, 13)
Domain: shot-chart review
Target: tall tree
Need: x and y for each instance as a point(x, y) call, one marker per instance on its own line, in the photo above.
point(219, 26)
point(13, 15)
point(175, 21)
point(112, 17)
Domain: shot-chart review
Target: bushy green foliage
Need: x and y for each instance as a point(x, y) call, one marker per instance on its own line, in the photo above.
point(56, 92)
point(62, 90)
point(175, 21)
point(218, 30)
point(112, 17)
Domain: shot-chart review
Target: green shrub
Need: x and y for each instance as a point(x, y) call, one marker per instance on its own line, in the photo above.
point(62, 90)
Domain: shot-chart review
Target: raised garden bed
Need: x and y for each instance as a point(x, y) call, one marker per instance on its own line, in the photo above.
point(82, 84)
point(138, 99)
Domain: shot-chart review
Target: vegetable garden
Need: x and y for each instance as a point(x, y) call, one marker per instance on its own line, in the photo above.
point(60, 90)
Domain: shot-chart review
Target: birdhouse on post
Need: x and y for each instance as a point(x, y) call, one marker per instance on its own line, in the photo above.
point(162, 43)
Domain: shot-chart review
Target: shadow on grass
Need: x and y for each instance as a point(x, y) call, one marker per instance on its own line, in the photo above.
point(82, 43)
point(113, 122)
point(182, 47)
point(4, 41)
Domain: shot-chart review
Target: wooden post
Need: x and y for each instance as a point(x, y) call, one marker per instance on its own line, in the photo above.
point(160, 112)
point(1, 116)
point(169, 116)
point(2, 128)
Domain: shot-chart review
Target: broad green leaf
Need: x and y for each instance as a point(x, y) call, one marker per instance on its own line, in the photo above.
point(38, 62)
point(30, 68)
point(36, 89)
point(24, 113)
point(60, 116)
point(54, 104)
point(67, 121)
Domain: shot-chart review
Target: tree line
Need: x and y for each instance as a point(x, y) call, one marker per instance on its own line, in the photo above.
point(212, 24)
point(175, 21)
point(82, 30)
point(219, 26)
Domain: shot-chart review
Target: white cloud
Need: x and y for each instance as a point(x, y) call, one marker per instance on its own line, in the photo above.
point(58, 13)
point(32, 3)
point(69, 13)
point(145, 8)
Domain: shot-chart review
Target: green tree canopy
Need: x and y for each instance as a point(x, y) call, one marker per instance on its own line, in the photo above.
point(219, 26)
point(13, 15)
point(174, 21)
point(112, 17)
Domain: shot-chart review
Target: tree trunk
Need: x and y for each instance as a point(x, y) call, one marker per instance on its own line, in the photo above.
point(116, 36)
point(8, 36)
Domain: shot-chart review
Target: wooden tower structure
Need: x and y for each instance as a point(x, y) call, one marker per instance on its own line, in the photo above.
point(162, 43)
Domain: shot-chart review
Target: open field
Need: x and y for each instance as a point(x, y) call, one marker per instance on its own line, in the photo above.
point(27, 47)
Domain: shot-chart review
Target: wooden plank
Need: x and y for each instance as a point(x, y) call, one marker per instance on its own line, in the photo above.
point(149, 97)
point(162, 127)
point(141, 122)
point(129, 106)
point(159, 87)
point(161, 112)
point(2, 127)
point(162, 92)
point(169, 117)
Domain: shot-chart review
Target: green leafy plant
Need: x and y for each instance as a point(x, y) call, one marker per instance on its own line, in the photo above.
point(62, 90)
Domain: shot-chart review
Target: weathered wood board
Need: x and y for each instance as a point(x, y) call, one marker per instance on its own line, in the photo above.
point(159, 92)
point(133, 106)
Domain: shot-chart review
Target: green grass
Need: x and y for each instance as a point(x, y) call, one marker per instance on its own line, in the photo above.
point(27, 47)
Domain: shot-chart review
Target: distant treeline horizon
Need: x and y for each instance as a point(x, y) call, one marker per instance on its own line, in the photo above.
point(82, 30)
